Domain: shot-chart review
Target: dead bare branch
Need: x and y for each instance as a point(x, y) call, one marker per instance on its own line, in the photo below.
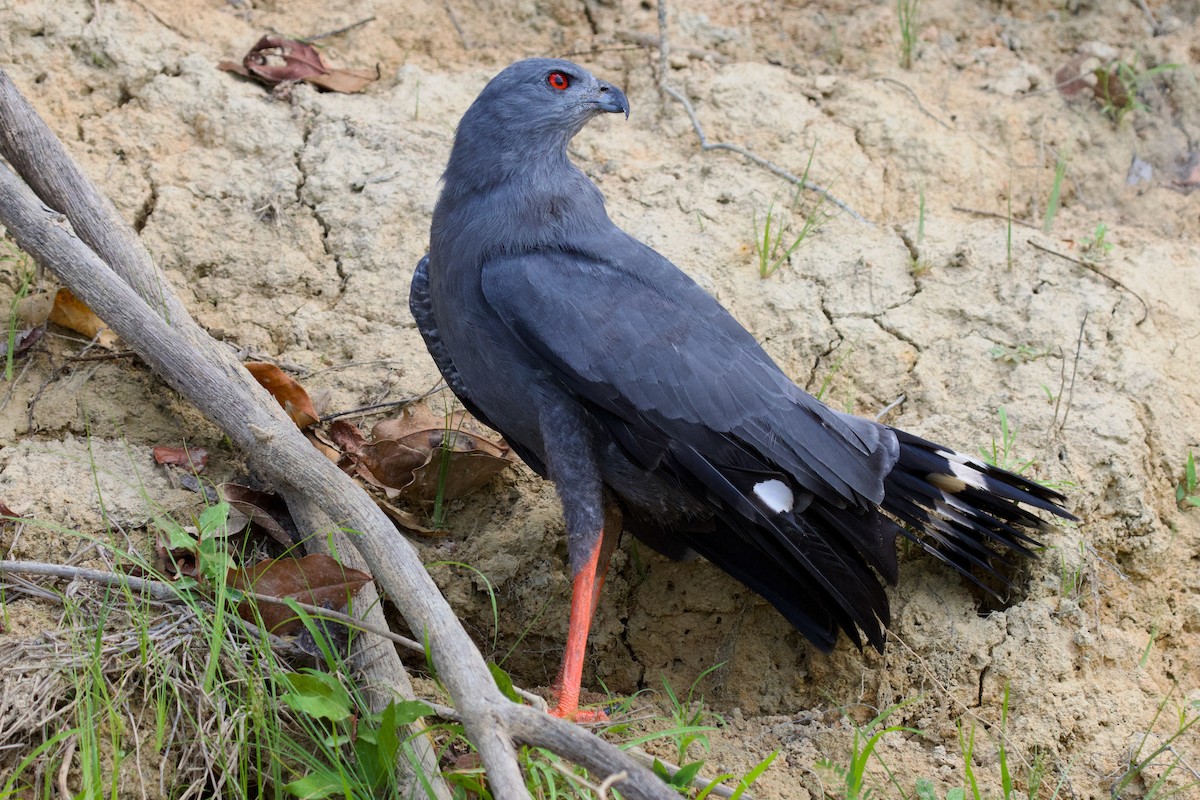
point(72, 229)
point(1093, 268)
point(664, 45)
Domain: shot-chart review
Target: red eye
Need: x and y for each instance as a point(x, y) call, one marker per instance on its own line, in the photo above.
point(558, 80)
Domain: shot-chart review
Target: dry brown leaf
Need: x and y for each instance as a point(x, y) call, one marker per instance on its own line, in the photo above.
point(286, 390)
point(390, 464)
point(194, 459)
point(70, 312)
point(177, 562)
point(417, 453)
point(346, 81)
point(465, 472)
point(265, 510)
point(27, 338)
point(405, 458)
point(346, 436)
point(1071, 78)
point(458, 458)
point(34, 310)
point(315, 579)
point(276, 59)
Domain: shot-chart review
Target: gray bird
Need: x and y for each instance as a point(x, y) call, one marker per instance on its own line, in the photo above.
point(612, 373)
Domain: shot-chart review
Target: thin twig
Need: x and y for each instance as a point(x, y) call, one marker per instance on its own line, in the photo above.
point(1063, 379)
point(1155, 28)
point(706, 145)
point(58, 216)
point(462, 37)
point(609, 782)
point(883, 412)
point(163, 591)
point(105, 356)
point(664, 47)
point(339, 31)
point(994, 215)
point(915, 99)
point(649, 41)
point(363, 411)
point(64, 770)
point(1089, 266)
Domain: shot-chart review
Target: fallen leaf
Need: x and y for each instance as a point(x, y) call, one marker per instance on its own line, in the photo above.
point(27, 338)
point(465, 472)
point(1110, 90)
point(7, 513)
point(69, 312)
point(390, 464)
point(347, 436)
point(177, 562)
point(315, 579)
point(267, 511)
point(456, 456)
point(415, 453)
point(286, 390)
point(34, 310)
point(194, 459)
point(346, 81)
point(467, 762)
point(277, 59)
point(1071, 78)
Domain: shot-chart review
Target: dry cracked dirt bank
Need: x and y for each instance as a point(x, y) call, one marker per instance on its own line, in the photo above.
point(290, 224)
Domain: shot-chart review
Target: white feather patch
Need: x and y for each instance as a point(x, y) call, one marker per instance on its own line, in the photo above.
point(960, 458)
point(967, 475)
point(775, 495)
point(961, 475)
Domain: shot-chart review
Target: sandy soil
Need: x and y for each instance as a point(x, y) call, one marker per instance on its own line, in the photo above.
point(290, 225)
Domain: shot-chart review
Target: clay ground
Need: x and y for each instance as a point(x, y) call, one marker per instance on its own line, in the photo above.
point(290, 225)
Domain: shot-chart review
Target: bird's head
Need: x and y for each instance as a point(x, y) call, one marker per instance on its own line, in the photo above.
point(531, 108)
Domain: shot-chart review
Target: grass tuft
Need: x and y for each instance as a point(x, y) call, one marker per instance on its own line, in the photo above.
point(770, 244)
point(1096, 247)
point(1052, 204)
point(1120, 85)
point(853, 774)
point(1187, 492)
point(1139, 762)
point(908, 19)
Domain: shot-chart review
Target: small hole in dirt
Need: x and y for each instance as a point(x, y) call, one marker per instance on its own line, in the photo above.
point(670, 586)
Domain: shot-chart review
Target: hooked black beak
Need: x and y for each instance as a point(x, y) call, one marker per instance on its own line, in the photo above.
point(611, 99)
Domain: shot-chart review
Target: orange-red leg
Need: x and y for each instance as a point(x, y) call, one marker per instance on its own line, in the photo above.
point(585, 596)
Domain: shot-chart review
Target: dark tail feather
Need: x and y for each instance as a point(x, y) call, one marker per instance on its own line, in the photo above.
point(955, 505)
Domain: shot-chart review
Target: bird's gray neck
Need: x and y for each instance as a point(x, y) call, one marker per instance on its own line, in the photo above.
point(515, 205)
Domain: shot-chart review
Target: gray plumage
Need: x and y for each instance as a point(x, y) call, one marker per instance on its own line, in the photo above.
point(608, 369)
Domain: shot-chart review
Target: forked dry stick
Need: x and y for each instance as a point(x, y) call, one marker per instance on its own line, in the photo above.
point(664, 45)
point(72, 229)
point(164, 592)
